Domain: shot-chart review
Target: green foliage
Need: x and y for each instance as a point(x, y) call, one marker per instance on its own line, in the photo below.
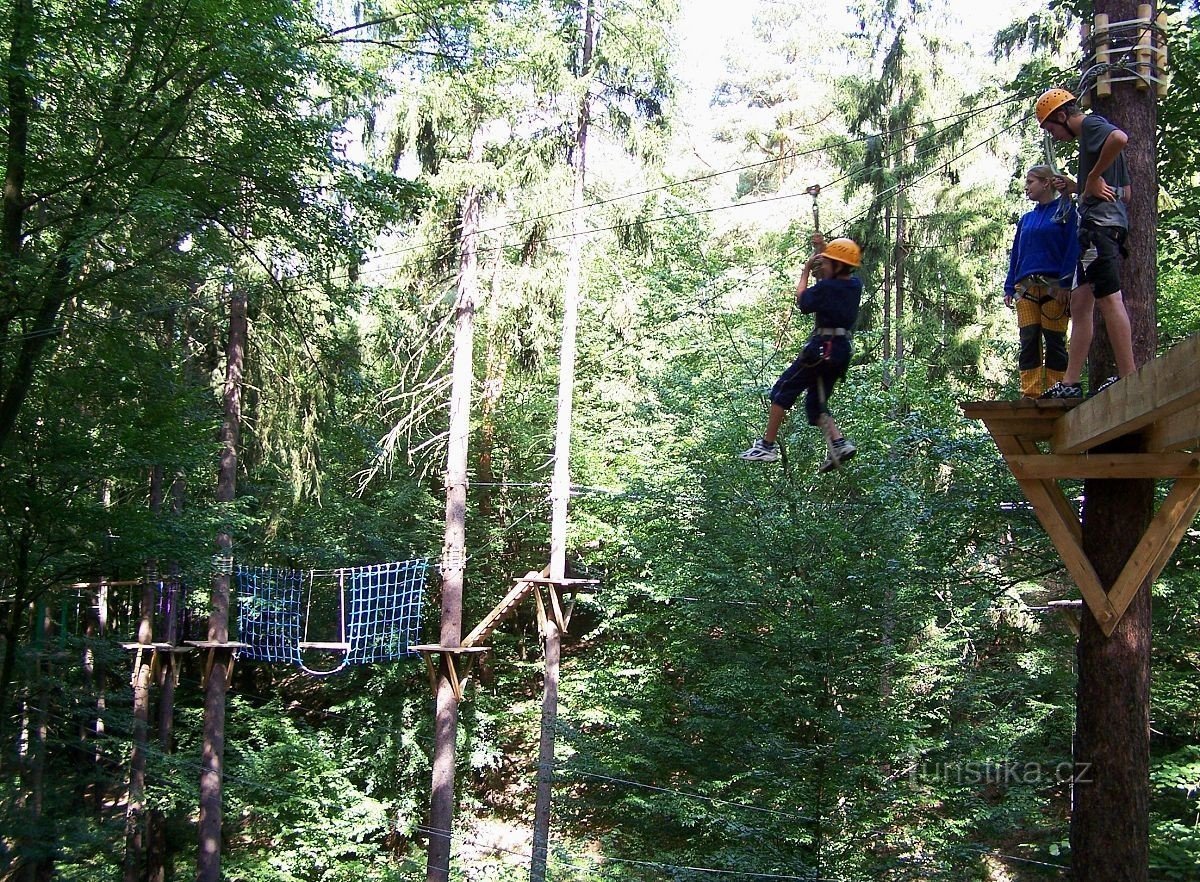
point(842, 676)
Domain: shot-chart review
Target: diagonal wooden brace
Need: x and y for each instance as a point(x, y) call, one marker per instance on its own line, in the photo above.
point(1157, 545)
point(455, 656)
point(1061, 523)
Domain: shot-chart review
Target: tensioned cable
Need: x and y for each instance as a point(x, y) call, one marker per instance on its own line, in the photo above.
point(875, 201)
point(449, 834)
point(179, 760)
point(487, 249)
point(966, 115)
point(281, 283)
point(708, 300)
point(697, 796)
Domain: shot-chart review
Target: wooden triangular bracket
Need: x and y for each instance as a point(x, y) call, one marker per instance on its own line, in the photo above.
point(562, 593)
point(1061, 523)
point(459, 661)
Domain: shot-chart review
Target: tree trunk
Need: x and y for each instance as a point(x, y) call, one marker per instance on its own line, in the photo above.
point(135, 803)
point(157, 858)
point(496, 367)
point(16, 616)
point(208, 864)
point(560, 491)
point(39, 863)
point(21, 29)
point(887, 299)
point(1110, 821)
point(454, 554)
point(901, 255)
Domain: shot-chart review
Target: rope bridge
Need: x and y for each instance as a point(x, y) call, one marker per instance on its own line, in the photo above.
point(374, 611)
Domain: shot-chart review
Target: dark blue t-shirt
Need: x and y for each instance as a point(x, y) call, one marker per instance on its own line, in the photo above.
point(833, 301)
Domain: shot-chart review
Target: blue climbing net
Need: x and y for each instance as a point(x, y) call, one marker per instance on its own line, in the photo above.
point(376, 616)
point(384, 614)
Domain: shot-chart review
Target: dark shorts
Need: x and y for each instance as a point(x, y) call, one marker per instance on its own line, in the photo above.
point(1100, 253)
point(812, 376)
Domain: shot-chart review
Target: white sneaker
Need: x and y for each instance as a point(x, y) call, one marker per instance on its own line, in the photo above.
point(843, 450)
point(761, 451)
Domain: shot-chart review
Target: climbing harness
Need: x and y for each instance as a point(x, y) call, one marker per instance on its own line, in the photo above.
point(1027, 287)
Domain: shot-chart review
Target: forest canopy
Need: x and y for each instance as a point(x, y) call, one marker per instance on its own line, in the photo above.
point(776, 673)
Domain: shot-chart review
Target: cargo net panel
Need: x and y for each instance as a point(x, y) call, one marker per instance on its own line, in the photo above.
point(384, 612)
point(372, 613)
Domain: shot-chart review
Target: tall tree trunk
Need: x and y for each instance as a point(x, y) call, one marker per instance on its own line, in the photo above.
point(560, 492)
point(135, 803)
point(157, 858)
point(39, 863)
point(454, 549)
point(208, 865)
point(901, 256)
point(496, 367)
point(16, 617)
point(20, 47)
point(887, 299)
point(1110, 821)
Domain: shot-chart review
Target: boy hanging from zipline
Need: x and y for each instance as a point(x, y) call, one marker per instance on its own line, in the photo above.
point(825, 358)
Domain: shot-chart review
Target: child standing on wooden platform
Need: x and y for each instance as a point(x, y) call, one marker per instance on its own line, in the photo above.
point(834, 302)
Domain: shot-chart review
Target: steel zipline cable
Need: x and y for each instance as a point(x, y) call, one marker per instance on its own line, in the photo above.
point(319, 276)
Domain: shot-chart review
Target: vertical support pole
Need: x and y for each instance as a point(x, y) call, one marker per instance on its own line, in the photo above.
point(1145, 49)
point(135, 805)
point(341, 607)
point(212, 760)
point(454, 554)
point(1160, 88)
point(1104, 81)
point(560, 491)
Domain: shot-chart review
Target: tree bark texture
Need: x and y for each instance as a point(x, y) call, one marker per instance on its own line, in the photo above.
point(1110, 820)
point(454, 554)
point(560, 490)
point(208, 864)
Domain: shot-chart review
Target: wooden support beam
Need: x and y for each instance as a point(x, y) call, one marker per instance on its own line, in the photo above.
point(1070, 610)
point(1038, 466)
point(1161, 403)
point(1161, 388)
point(1061, 523)
point(1179, 431)
point(1157, 545)
point(455, 655)
point(1028, 418)
point(504, 608)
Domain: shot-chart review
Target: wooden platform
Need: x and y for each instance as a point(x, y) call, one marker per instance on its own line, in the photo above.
point(1047, 441)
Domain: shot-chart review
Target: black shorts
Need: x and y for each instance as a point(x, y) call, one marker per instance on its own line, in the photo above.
point(1100, 253)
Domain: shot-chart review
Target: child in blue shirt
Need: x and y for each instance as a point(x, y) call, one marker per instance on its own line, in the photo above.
point(1040, 269)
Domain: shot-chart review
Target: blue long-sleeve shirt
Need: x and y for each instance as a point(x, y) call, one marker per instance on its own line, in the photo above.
point(834, 301)
point(1045, 246)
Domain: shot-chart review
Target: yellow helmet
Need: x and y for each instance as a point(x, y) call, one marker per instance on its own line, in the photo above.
point(844, 250)
point(1051, 100)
